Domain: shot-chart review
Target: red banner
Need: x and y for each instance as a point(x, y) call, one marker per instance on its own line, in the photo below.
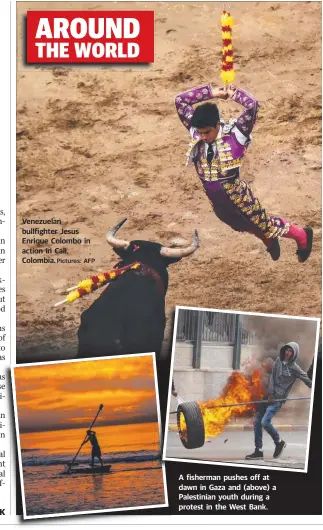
point(90, 37)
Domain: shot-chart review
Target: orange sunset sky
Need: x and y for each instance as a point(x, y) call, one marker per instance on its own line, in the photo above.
point(67, 395)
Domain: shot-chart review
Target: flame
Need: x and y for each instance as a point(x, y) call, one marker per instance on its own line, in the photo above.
point(238, 389)
point(182, 427)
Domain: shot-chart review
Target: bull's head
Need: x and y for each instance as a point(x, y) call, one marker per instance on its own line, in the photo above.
point(148, 251)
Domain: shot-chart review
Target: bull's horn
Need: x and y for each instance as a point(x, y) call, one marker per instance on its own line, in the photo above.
point(113, 241)
point(181, 252)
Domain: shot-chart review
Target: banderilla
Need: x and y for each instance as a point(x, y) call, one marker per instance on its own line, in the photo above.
point(254, 403)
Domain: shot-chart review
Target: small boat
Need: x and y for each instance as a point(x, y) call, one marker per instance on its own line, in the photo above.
point(96, 470)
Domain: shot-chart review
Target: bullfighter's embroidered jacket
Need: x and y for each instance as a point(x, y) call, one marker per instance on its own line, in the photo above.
point(232, 199)
point(231, 143)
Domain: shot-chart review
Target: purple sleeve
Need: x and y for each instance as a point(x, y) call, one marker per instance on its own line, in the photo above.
point(184, 102)
point(247, 119)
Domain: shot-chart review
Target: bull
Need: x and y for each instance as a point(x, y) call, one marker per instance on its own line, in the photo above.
point(129, 316)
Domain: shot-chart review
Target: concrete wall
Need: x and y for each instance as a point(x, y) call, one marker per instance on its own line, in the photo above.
point(199, 385)
point(206, 382)
point(213, 355)
point(248, 351)
point(184, 354)
point(216, 355)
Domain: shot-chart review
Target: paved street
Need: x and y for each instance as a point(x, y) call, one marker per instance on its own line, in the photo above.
point(232, 446)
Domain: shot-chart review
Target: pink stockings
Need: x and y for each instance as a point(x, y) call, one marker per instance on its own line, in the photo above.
point(298, 234)
point(295, 232)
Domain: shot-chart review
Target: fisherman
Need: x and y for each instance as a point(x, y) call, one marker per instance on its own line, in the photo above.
point(217, 151)
point(284, 373)
point(96, 450)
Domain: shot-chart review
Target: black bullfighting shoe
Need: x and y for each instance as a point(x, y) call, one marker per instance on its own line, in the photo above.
point(256, 455)
point(280, 446)
point(303, 253)
point(274, 249)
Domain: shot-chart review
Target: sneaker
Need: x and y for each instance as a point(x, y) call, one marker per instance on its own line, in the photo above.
point(274, 250)
point(303, 253)
point(280, 446)
point(256, 455)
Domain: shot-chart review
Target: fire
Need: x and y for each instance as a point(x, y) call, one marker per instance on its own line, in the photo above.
point(182, 426)
point(238, 389)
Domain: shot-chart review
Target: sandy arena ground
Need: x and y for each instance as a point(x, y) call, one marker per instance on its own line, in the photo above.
point(97, 144)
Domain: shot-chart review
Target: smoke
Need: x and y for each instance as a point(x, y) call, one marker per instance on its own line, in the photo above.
point(271, 334)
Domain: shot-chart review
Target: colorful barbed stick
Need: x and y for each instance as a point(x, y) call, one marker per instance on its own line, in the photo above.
point(94, 282)
point(227, 71)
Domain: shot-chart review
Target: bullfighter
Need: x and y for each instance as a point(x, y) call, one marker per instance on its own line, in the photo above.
point(217, 150)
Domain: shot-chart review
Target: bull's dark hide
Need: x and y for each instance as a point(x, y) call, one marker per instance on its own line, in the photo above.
point(129, 316)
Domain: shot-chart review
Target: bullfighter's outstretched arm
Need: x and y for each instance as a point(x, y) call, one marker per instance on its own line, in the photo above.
point(247, 119)
point(184, 102)
point(184, 105)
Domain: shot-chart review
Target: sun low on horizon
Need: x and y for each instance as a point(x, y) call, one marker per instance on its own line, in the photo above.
point(67, 395)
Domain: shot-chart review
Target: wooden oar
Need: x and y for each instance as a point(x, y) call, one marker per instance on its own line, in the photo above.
point(93, 422)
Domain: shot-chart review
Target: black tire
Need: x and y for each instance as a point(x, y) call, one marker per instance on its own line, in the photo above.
point(194, 435)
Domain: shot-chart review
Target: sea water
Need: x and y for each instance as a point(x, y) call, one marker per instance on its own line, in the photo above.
point(135, 479)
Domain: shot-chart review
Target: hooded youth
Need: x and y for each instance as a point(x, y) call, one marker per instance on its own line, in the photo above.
point(285, 373)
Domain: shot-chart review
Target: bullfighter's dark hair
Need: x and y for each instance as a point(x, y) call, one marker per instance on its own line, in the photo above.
point(206, 115)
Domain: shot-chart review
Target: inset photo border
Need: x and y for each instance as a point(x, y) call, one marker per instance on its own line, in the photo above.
point(88, 430)
point(240, 390)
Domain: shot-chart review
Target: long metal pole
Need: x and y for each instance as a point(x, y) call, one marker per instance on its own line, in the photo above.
point(261, 401)
point(254, 403)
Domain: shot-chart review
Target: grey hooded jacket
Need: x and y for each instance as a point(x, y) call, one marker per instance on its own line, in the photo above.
point(284, 374)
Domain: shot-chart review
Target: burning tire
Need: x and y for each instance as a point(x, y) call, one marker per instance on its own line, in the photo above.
point(190, 425)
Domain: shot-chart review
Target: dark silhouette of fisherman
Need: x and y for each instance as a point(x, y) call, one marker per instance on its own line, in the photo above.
point(96, 450)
